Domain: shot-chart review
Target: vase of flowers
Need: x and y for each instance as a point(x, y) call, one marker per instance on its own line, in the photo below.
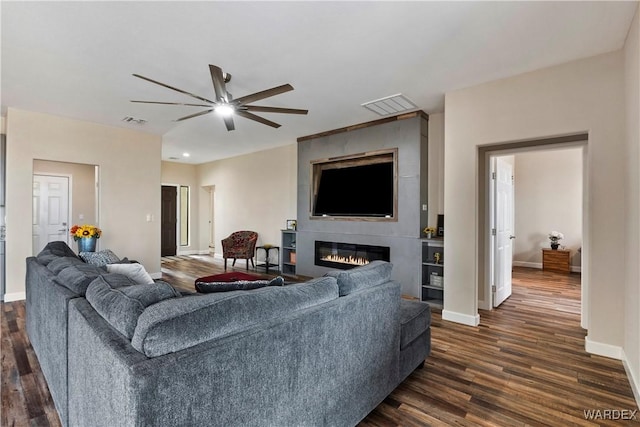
point(555, 237)
point(86, 236)
point(429, 232)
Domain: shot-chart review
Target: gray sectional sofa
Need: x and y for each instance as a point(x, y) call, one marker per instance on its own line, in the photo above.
point(320, 353)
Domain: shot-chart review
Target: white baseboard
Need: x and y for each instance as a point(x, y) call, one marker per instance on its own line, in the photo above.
point(15, 296)
point(156, 275)
point(189, 252)
point(538, 265)
point(465, 319)
point(526, 264)
point(484, 305)
point(633, 380)
point(602, 349)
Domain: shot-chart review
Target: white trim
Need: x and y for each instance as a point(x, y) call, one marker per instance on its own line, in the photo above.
point(156, 275)
point(204, 252)
point(635, 385)
point(538, 265)
point(526, 264)
point(15, 296)
point(602, 349)
point(189, 252)
point(465, 319)
point(484, 305)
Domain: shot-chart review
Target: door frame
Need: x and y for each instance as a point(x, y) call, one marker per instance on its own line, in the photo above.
point(484, 238)
point(69, 198)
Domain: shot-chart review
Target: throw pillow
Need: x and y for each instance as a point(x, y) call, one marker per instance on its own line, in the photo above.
point(135, 272)
point(60, 263)
point(240, 285)
point(100, 258)
point(121, 307)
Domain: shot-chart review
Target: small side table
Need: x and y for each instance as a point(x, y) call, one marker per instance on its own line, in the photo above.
point(556, 260)
point(267, 257)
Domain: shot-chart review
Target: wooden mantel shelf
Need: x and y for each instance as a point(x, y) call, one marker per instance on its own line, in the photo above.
point(367, 124)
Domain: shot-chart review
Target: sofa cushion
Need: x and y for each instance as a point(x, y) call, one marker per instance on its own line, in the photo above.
point(60, 263)
point(77, 277)
point(415, 318)
point(135, 272)
point(240, 285)
point(170, 326)
point(121, 306)
point(54, 250)
point(100, 258)
point(372, 274)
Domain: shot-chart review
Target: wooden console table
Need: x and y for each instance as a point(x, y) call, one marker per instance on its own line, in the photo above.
point(556, 260)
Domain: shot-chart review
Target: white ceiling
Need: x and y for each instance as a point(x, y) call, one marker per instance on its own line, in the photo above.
point(75, 59)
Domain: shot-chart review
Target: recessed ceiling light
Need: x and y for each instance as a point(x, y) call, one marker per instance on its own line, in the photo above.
point(186, 154)
point(394, 104)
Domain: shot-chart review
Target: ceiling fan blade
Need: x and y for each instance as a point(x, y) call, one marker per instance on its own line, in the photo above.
point(218, 83)
point(190, 116)
point(228, 122)
point(274, 109)
point(172, 103)
point(173, 88)
point(259, 119)
point(262, 94)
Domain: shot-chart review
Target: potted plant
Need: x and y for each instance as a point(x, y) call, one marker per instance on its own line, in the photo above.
point(86, 236)
point(555, 237)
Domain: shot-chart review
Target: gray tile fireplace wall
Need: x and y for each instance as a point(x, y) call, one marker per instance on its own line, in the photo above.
point(409, 136)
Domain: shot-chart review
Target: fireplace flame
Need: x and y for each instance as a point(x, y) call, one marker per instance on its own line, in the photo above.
point(345, 260)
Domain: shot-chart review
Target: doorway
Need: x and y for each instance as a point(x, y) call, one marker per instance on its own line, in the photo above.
point(489, 265)
point(53, 183)
point(169, 220)
point(51, 207)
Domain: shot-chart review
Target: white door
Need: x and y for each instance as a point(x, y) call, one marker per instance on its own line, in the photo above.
point(504, 230)
point(50, 210)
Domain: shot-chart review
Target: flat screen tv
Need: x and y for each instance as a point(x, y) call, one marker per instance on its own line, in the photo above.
point(356, 187)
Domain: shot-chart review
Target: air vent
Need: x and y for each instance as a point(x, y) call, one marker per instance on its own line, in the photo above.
point(394, 104)
point(130, 119)
point(174, 158)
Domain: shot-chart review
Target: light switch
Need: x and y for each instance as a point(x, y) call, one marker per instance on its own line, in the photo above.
point(148, 217)
point(424, 207)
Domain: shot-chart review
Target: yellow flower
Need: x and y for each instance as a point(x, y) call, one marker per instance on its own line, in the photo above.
point(85, 231)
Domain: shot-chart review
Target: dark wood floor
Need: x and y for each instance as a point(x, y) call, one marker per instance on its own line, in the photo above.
point(524, 365)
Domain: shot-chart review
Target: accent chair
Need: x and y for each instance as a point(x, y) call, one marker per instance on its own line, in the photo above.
point(240, 244)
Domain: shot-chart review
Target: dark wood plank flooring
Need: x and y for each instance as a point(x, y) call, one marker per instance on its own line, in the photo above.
point(524, 365)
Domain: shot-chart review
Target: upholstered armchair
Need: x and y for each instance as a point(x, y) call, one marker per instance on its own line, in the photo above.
point(240, 244)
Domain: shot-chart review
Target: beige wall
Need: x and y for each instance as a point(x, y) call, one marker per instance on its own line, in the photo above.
point(83, 190)
point(129, 165)
point(435, 173)
point(548, 196)
point(252, 192)
point(180, 174)
point(632, 218)
point(576, 97)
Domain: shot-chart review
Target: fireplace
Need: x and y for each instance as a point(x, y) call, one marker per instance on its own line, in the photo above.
point(348, 255)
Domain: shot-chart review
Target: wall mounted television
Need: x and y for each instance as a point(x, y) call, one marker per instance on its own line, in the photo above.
point(361, 186)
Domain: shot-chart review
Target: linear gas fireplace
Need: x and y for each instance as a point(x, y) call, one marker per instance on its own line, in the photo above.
point(348, 255)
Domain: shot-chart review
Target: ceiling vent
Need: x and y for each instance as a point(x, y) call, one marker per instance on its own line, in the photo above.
point(394, 104)
point(130, 119)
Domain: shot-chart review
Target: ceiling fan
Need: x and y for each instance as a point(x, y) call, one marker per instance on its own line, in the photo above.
point(225, 104)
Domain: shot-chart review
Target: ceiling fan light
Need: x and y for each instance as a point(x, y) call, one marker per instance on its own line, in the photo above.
point(225, 110)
